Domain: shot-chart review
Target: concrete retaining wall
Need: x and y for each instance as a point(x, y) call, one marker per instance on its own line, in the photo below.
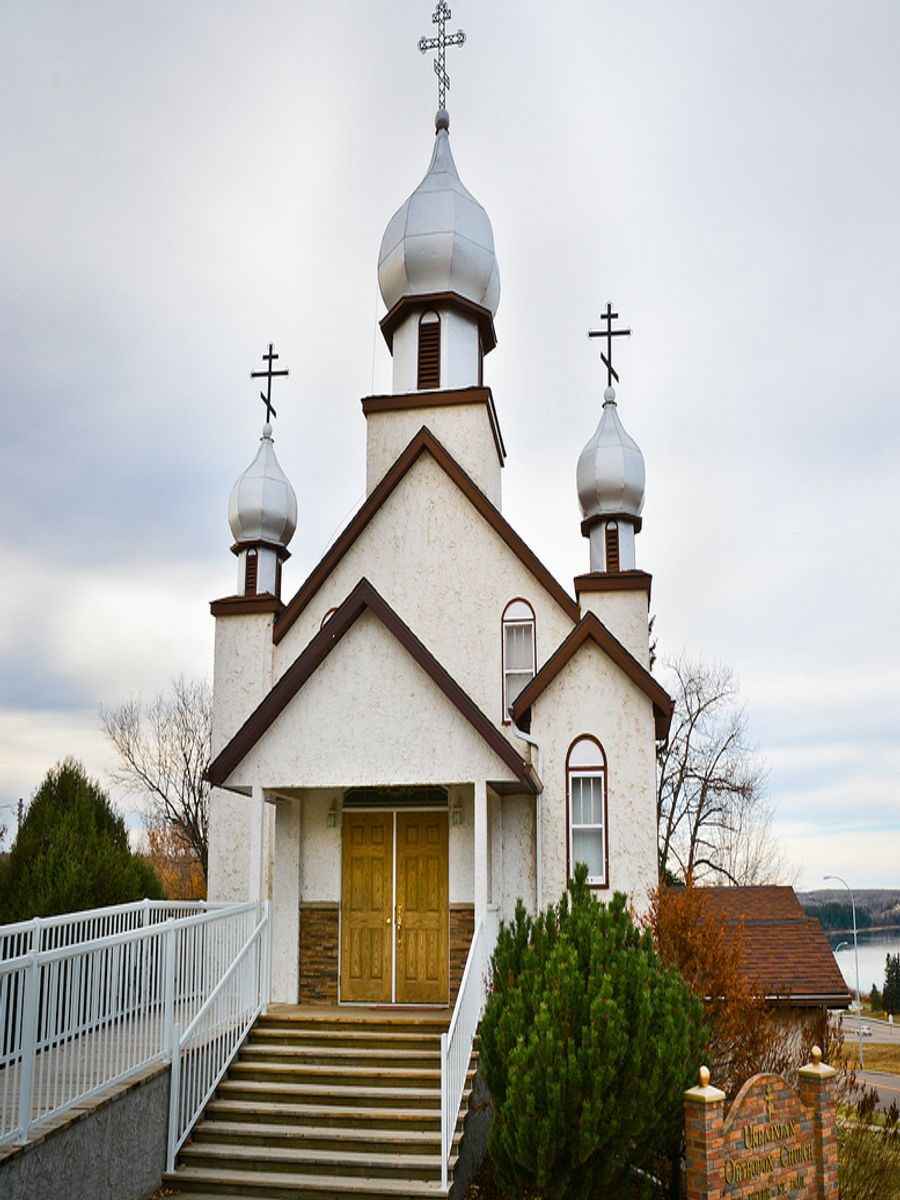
point(114, 1150)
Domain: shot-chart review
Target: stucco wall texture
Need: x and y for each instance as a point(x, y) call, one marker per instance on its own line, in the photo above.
point(371, 715)
point(115, 1151)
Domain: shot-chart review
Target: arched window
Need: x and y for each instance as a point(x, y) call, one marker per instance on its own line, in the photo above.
point(586, 809)
point(517, 650)
point(612, 546)
point(250, 568)
point(429, 351)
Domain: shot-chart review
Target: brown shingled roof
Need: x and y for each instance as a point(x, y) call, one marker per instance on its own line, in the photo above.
point(786, 953)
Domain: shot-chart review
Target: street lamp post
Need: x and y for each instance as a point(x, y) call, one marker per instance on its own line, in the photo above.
point(856, 957)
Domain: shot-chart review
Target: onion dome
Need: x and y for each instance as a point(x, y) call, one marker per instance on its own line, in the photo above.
point(263, 506)
point(441, 239)
point(610, 472)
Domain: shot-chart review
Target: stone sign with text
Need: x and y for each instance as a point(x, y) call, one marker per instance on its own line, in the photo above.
point(773, 1143)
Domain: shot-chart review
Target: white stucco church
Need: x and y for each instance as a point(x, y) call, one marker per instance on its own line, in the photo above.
point(432, 725)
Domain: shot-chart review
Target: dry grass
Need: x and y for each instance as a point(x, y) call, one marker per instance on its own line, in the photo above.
point(875, 1056)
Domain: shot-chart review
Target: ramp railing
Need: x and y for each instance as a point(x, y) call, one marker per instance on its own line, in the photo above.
point(89, 999)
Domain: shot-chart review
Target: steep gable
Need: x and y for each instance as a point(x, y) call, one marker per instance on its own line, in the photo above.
point(423, 443)
point(388, 686)
point(590, 628)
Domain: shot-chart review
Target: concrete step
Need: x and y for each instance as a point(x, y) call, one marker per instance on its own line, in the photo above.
point(369, 1164)
point(379, 1038)
point(377, 1097)
point(347, 1115)
point(399, 1057)
point(314, 1136)
point(206, 1185)
point(337, 1076)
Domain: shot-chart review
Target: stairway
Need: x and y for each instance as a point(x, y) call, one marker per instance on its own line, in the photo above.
point(322, 1104)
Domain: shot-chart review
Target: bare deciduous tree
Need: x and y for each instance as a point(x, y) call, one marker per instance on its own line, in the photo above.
point(164, 750)
point(713, 812)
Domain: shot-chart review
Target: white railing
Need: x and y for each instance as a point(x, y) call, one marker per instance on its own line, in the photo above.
point(89, 999)
point(457, 1042)
point(202, 1054)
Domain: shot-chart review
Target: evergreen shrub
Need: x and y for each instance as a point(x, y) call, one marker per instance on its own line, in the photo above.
point(71, 852)
point(587, 1044)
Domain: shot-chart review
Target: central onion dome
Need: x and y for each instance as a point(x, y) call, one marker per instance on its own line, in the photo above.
point(441, 239)
point(263, 506)
point(610, 474)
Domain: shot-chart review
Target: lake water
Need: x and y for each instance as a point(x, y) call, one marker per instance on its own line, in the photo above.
point(872, 950)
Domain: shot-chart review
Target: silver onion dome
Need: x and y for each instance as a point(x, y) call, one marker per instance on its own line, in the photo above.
point(610, 473)
point(440, 239)
point(263, 505)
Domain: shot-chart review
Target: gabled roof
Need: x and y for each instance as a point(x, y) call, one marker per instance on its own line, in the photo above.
point(786, 954)
point(591, 628)
point(424, 442)
point(363, 598)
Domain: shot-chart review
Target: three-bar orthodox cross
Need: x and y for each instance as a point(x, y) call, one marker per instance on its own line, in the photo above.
point(440, 17)
point(609, 333)
point(268, 375)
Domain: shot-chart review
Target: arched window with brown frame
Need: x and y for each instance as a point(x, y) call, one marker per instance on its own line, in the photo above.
point(429, 372)
point(518, 650)
point(587, 831)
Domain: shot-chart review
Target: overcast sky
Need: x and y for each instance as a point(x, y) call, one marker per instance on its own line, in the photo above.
point(184, 182)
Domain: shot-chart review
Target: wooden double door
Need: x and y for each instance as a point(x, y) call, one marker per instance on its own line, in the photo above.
point(394, 908)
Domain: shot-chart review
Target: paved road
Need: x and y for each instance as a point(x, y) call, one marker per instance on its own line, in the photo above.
point(887, 1087)
point(881, 1031)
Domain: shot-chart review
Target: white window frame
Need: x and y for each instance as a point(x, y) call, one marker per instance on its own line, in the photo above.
point(587, 760)
point(518, 614)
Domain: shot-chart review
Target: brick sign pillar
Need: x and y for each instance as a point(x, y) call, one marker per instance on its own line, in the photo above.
point(773, 1143)
point(816, 1093)
point(704, 1109)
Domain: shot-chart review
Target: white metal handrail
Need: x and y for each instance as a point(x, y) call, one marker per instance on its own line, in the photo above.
point(69, 929)
point(77, 1015)
point(456, 1045)
point(202, 1054)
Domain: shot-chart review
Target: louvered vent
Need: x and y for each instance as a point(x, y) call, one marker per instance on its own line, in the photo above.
point(612, 547)
point(250, 574)
point(429, 352)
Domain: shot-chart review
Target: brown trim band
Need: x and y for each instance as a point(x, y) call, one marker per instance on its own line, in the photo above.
point(589, 522)
point(620, 581)
point(408, 401)
point(282, 551)
point(424, 442)
point(362, 598)
point(234, 606)
point(468, 308)
point(590, 627)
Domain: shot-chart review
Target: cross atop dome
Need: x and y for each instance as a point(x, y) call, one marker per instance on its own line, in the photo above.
point(608, 334)
point(268, 375)
point(440, 17)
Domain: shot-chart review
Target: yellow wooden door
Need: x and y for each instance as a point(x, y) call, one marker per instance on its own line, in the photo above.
point(366, 903)
point(422, 908)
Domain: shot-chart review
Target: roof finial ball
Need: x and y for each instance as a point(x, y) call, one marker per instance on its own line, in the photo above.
point(610, 474)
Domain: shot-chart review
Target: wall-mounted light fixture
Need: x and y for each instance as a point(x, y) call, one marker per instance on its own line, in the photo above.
point(331, 816)
point(456, 813)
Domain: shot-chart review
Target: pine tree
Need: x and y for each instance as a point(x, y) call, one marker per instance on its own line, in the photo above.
point(71, 852)
point(587, 1043)
point(891, 994)
point(875, 1000)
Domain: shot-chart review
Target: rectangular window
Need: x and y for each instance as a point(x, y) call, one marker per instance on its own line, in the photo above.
point(586, 825)
point(518, 658)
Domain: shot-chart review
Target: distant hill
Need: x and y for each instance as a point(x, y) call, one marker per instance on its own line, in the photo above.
point(876, 908)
